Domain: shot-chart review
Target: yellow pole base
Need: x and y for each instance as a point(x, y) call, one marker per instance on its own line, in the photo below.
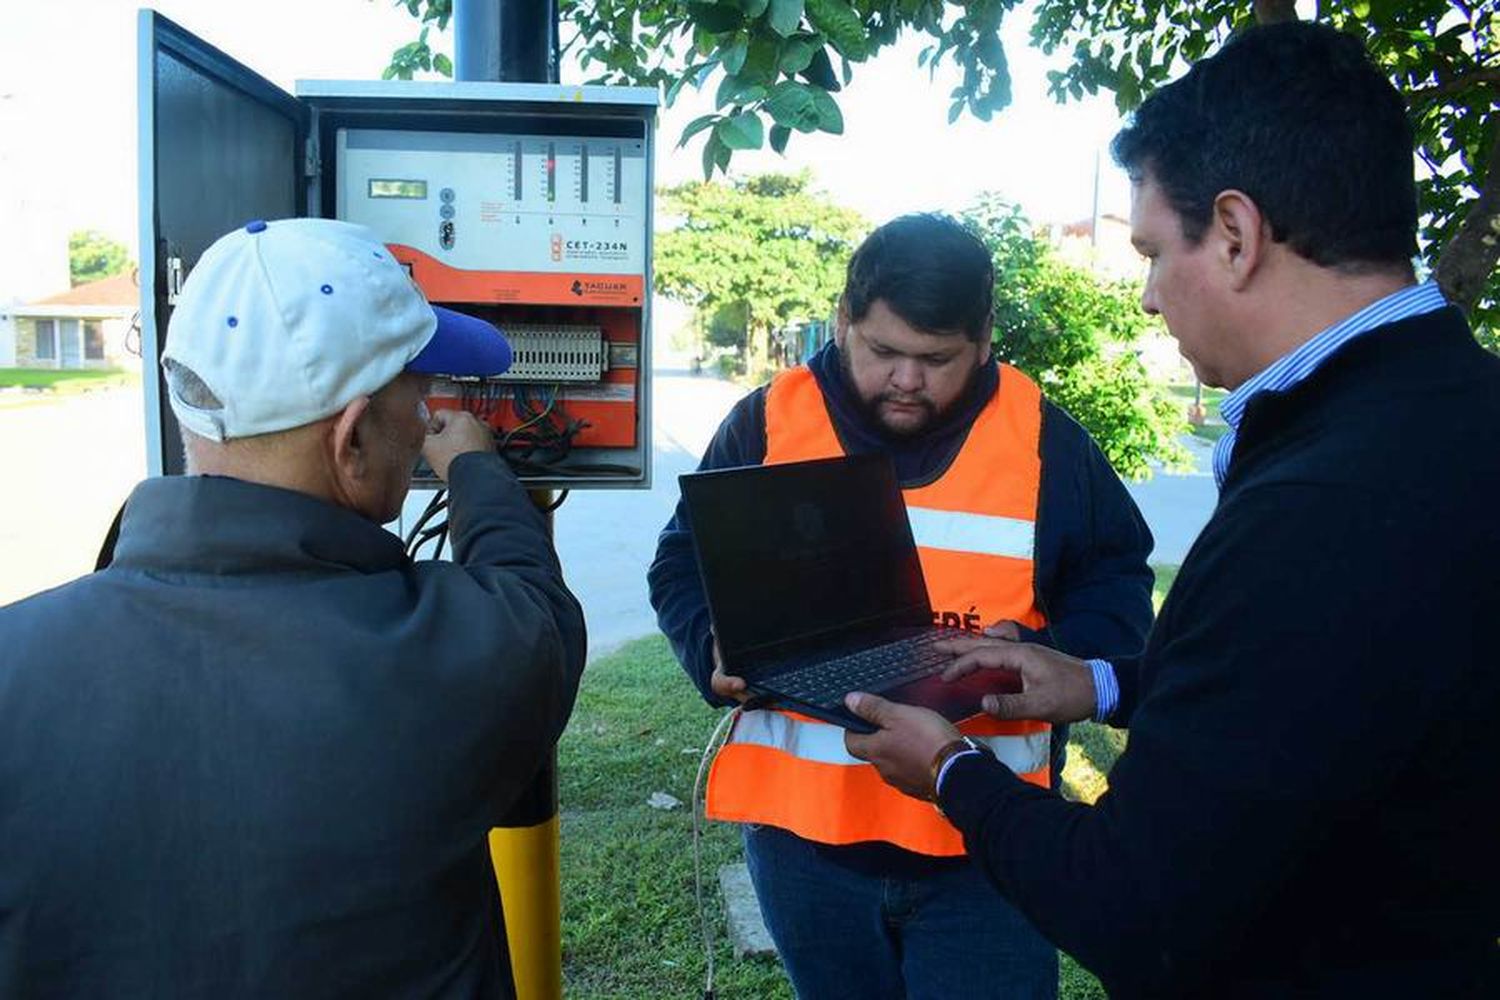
point(527, 862)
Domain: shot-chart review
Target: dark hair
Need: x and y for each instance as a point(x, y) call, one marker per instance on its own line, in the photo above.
point(1297, 117)
point(929, 270)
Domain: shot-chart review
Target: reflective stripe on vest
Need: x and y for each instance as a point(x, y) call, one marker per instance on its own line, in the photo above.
point(975, 530)
point(811, 740)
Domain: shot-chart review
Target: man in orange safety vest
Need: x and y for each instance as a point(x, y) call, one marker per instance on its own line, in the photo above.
point(1021, 526)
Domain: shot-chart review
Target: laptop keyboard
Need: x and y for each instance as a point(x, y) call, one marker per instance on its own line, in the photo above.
point(876, 669)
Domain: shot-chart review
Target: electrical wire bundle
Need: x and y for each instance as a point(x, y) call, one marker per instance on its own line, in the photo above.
point(537, 446)
point(545, 433)
point(480, 397)
point(424, 531)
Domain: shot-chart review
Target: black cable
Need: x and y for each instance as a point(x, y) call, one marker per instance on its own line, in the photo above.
point(556, 503)
point(439, 532)
point(415, 537)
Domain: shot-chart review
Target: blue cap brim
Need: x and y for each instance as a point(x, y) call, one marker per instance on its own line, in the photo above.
point(462, 345)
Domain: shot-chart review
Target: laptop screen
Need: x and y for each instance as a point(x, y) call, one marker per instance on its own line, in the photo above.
point(800, 553)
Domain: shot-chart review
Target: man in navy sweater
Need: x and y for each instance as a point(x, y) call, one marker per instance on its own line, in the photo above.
point(1019, 521)
point(1306, 806)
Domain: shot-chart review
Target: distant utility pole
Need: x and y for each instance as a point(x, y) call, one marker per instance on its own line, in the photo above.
point(1094, 224)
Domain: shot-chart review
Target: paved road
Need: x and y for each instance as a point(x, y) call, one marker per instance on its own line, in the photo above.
point(1178, 506)
point(68, 464)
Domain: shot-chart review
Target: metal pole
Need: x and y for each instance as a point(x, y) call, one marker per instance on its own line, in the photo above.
point(516, 41)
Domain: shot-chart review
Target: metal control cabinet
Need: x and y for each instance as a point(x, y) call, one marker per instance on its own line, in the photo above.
point(527, 204)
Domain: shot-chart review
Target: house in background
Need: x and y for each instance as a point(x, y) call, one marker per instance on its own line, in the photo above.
point(1100, 244)
point(7, 339)
point(91, 326)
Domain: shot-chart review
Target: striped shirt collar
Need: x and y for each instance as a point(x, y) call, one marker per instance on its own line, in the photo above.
point(1292, 368)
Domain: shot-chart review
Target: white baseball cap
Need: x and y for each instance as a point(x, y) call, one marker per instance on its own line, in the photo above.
point(284, 323)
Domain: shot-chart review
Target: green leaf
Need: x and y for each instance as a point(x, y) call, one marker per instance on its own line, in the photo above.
point(442, 64)
point(709, 157)
point(785, 16)
point(830, 118)
point(819, 71)
point(737, 90)
point(734, 54)
point(796, 54)
point(760, 61)
point(724, 96)
point(991, 53)
point(715, 154)
point(741, 131)
point(842, 26)
point(695, 126)
point(688, 76)
point(754, 8)
point(779, 136)
point(715, 17)
point(791, 104)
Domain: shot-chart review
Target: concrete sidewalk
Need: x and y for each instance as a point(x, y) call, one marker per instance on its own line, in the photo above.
point(69, 463)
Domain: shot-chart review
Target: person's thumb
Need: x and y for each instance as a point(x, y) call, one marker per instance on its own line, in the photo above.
point(870, 707)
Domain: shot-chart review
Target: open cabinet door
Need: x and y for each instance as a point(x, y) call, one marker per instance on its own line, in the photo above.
point(220, 145)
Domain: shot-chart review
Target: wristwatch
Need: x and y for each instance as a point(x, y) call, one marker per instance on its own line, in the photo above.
point(947, 752)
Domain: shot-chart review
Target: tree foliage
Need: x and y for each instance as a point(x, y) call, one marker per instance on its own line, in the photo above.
point(1443, 55)
point(766, 250)
point(778, 66)
point(1075, 334)
point(777, 63)
point(92, 255)
point(757, 254)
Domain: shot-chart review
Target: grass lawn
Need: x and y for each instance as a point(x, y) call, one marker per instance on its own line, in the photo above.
point(66, 380)
point(1165, 575)
point(630, 925)
point(1214, 427)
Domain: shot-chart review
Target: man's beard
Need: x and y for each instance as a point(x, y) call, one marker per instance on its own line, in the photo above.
point(870, 408)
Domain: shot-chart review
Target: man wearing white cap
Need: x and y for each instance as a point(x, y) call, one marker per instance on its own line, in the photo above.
point(259, 754)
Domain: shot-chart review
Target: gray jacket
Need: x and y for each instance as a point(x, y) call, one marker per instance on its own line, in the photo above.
point(259, 754)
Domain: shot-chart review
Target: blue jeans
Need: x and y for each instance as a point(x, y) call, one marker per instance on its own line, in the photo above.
point(843, 934)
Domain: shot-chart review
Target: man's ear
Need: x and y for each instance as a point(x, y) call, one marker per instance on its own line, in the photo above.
point(841, 323)
point(350, 457)
point(1242, 234)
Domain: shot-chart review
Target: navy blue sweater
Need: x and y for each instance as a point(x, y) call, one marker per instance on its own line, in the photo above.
point(1307, 803)
point(1093, 582)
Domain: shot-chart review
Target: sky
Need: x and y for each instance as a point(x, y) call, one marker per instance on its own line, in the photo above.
point(68, 120)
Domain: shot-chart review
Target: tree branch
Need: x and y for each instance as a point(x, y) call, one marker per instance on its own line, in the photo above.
point(1275, 11)
point(1470, 257)
point(1452, 85)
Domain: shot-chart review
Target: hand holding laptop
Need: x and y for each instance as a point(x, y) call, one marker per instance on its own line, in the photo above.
point(726, 685)
point(1054, 687)
point(904, 745)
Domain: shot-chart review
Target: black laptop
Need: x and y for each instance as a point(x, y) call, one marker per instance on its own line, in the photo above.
point(815, 588)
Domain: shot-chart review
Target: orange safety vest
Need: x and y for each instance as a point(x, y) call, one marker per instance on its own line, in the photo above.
point(975, 529)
